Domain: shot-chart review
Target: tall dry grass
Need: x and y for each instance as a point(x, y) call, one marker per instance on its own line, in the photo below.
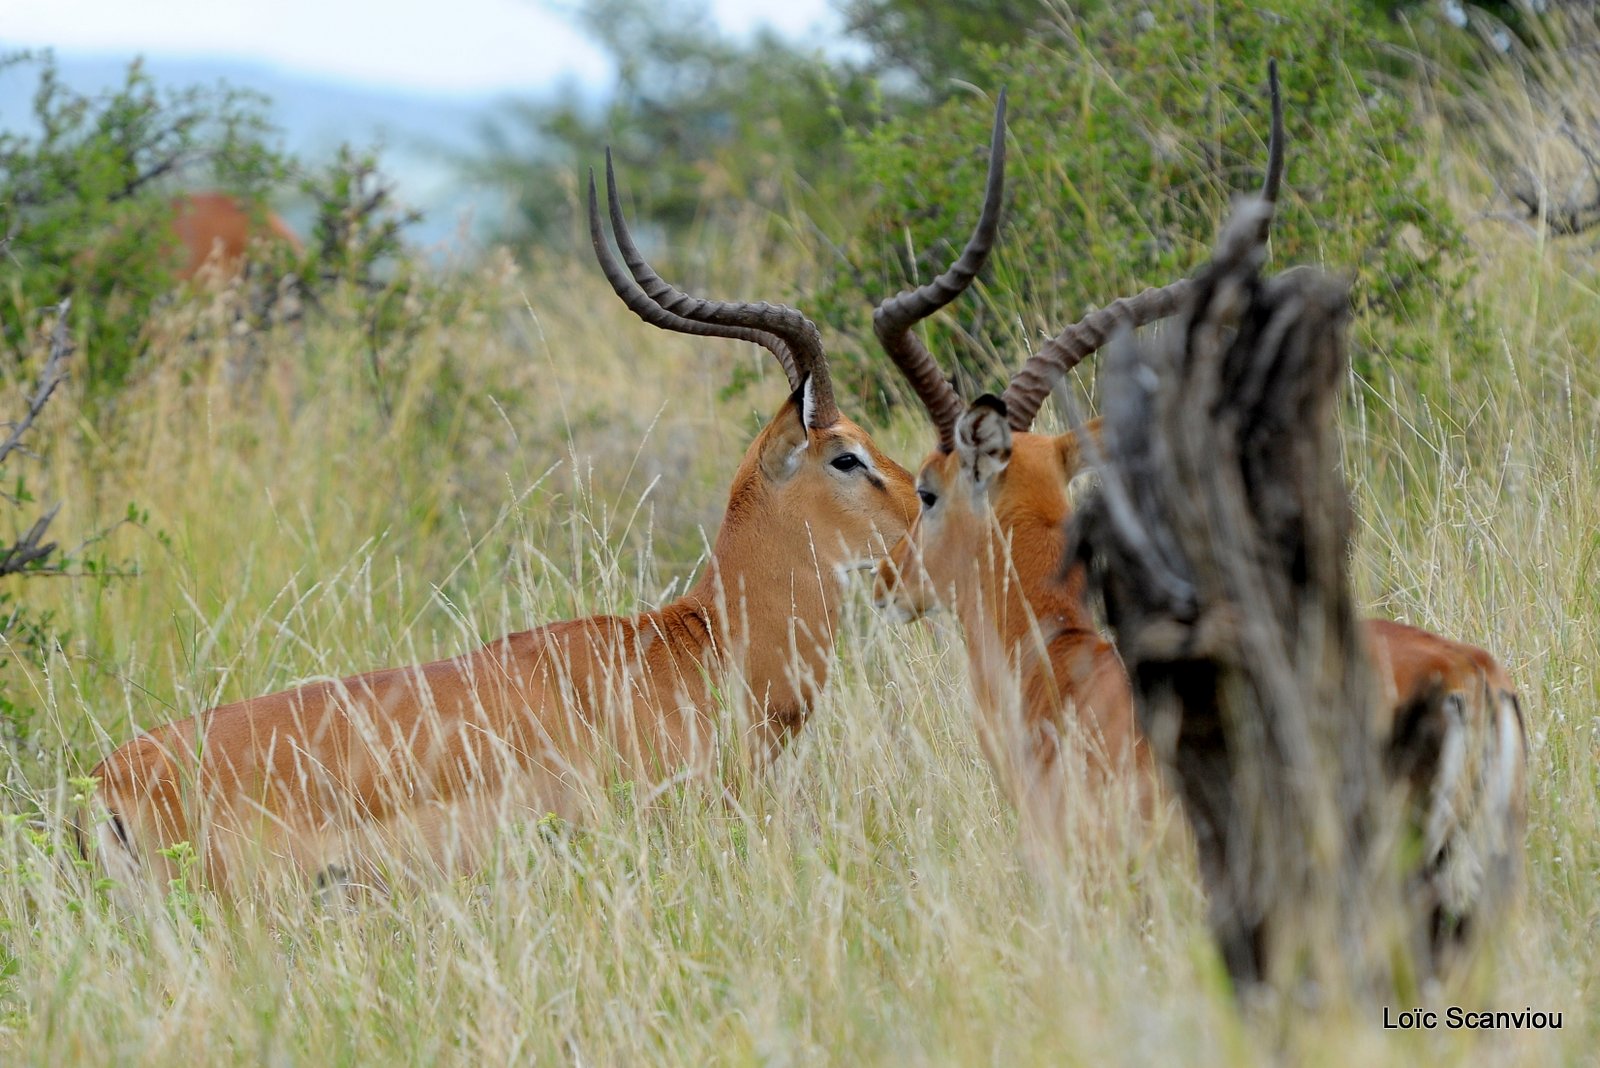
point(864, 901)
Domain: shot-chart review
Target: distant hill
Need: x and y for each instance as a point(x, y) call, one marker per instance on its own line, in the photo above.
point(420, 135)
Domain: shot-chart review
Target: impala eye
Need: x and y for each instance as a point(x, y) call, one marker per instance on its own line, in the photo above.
point(928, 499)
point(846, 461)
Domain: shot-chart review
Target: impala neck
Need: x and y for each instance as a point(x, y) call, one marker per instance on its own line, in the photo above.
point(770, 597)
point(1016, 603)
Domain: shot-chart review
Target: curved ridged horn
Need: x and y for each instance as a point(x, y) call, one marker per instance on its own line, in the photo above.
point(799, 344)
point(1031, 385)
point(641, 304)
point(1274, 178)
point(893, 319)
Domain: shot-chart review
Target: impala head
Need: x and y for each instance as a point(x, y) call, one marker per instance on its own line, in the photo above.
point(812, 485)
point(216, 229)
point(997, 501)
point(994, 495)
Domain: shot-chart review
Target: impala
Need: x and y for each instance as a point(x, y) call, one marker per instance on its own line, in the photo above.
point(1052, 701)
point(215, 229)
point(988, 544)
point(355, 775)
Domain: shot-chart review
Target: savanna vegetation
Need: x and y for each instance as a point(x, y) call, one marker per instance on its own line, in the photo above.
point(353, 461)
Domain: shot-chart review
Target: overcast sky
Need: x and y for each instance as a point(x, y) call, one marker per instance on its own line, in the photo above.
point(440, 46)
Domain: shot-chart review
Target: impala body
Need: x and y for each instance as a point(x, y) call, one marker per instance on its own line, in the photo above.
point(1051, 699)
point(215, 229)
point(367, 774)
point(989, 545)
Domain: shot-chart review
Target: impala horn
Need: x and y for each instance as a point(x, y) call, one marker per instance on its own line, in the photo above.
point(893, 320)
point(781, 330)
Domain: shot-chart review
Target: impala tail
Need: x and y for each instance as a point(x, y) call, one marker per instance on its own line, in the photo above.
point(1458, 750)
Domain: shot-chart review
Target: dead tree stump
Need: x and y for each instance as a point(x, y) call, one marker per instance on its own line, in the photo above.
point(1218, 543)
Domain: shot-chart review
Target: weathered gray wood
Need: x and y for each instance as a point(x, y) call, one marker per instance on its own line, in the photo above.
point(1218, 543)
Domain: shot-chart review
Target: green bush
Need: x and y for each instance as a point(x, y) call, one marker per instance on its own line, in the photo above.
point(698, 122)
point(88, 262)
point(26, 552)
point(1129, 134)
point(86, 202)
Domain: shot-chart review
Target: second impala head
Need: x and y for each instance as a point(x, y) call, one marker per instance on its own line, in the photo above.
point(997, 498)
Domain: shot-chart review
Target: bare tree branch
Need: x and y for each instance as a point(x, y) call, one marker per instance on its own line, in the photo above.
point(50, 376)
point(1572, 214)
point(30, 551)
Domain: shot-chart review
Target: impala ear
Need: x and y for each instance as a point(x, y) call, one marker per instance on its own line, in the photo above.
point(1070, 446)
point(785, 438)
point(983, 439)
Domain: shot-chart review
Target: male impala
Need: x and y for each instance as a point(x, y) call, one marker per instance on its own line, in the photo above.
point(360, 773)
point(215, 229)
point(988, 544)
point(1052, 701)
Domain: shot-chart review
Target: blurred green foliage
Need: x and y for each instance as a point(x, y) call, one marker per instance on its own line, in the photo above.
point(86, 202)
point(924, 47)
point(1128, 137)
point(1131, 130)
point(88, 266)
point(696, 121)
